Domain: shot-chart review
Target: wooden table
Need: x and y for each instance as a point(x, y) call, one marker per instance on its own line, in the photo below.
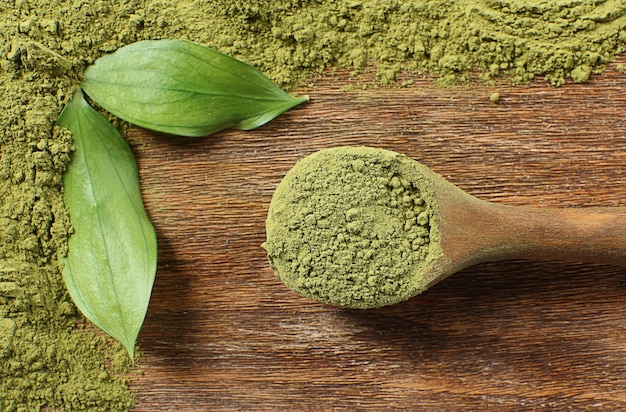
point(224, 334)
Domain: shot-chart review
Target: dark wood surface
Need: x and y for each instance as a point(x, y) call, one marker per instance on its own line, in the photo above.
point(222, 333)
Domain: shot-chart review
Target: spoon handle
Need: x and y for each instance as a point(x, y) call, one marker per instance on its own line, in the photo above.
point(593, 234)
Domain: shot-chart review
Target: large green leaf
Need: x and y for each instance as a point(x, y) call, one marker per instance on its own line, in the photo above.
point(111, 264)
point(183, 88)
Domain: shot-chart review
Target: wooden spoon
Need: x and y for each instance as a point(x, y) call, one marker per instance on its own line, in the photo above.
point(463, 231)
point(475, 231)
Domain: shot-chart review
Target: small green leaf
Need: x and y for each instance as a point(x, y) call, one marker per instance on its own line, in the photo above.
point(111, 263)
point(183, 88)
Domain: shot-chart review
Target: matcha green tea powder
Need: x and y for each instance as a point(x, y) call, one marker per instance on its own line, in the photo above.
point(290, 40)
point(353, 227)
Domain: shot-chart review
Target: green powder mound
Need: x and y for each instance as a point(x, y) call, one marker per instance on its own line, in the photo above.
point(45, 360)
point(353, 227)
point(290, 40)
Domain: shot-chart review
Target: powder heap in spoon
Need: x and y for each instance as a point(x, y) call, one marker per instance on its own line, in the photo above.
point(353, 227)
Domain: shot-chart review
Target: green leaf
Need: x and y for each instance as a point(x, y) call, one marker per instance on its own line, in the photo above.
point(111, 264)
point(183, 88)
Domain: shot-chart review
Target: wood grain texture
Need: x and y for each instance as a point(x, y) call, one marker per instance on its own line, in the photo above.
point(223, 334)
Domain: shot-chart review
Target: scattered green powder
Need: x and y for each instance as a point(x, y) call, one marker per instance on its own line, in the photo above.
point(353, 227)
point(291, 40)
point(47, 360)
point(45, 45)
point(44, 359)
